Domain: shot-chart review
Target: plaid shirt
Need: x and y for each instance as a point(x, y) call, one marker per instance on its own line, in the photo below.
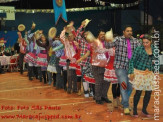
point(121, 56)
point(141, 60)
point(84, 46)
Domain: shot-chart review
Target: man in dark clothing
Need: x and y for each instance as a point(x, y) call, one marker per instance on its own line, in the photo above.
point(17, 47)
point(1, 70)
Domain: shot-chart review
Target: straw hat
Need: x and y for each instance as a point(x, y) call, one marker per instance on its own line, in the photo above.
point(21, 27)
point(89, 36)
point(109, 35)
point(87, 21)
point(52, 32)
point(37, 34)
point(33, 25)
point(70, 24)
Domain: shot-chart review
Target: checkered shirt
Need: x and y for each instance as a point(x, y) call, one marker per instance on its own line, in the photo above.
point(121, 55)
point(141, 60)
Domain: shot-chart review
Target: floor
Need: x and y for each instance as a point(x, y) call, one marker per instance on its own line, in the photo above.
point(22, 100)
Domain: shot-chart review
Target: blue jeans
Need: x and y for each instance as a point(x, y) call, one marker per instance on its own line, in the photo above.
point(122, 76)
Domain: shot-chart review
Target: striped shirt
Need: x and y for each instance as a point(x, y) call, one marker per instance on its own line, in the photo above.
point(121, 55)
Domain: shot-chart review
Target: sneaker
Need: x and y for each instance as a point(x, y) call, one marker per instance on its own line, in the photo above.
point(126, 111)
point(91, 94)
point(115, 104)
point(86, 95)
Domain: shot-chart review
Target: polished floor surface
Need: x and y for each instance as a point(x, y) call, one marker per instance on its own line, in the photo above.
point(22, 100)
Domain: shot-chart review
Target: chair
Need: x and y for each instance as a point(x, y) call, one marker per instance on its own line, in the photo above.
point(4, 60)
point(13, 65)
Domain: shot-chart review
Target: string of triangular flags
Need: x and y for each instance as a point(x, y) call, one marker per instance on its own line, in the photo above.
point(114, 5)
point(6, 1)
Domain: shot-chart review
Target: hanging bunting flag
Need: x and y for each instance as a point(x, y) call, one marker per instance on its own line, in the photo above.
point(6, 1)
point(59, 10)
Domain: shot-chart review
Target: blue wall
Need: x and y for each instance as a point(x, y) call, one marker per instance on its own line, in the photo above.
point(9, 36)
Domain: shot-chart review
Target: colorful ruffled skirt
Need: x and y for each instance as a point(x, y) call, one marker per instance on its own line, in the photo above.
point(52, 64)
point(42, 60)
point(144, 80)
point(30, 58)
point(109, 74)
point(62, 61)
point(88, 77)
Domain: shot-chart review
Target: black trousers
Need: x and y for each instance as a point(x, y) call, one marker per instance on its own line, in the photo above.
point(59, 76)
point(146, 100)
point(54, 79)
point(116, 90)
point(44, 74)
point(65, 78)
point(21, 58)
point(1, 70)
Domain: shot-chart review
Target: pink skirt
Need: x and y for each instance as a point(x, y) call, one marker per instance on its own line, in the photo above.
point(62, 61)
point(72, 66)
point(110, 76)
point(42, 60)
point(30, 58)
point(89, 79)
point(78, 70)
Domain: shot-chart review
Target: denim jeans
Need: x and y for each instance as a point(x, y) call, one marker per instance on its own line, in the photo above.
point(122, 76)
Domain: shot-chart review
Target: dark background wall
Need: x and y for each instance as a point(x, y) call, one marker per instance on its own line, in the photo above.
point(103, 19)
